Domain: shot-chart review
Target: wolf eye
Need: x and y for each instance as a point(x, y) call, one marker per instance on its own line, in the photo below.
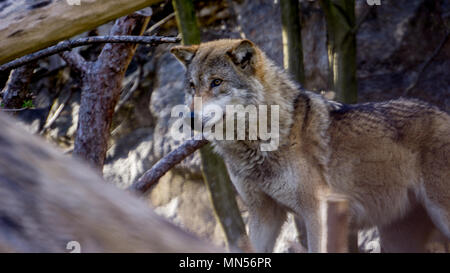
point(216, 83)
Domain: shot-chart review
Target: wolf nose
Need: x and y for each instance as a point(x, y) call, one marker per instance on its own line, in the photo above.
point(192, 120)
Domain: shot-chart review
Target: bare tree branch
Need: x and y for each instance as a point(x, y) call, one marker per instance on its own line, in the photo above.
point(426, 64)
point(160, 23)
point(362, 18)
point(129, 91)
point(166, 163)
point(69, 44)
point(57, 113)
point(101, 87)
point(75, 61)
point(14, 110)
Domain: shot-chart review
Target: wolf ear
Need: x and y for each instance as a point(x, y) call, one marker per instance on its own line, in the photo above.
point(243, 54)
point(184, 54)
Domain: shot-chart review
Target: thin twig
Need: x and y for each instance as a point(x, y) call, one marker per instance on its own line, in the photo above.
point(426, 64)
point(55, 116)
point(14, 110)
point(69, 44)
point(160, 23)
point(68, 151)
point(131, 91)
point(75, 61)
point(362, 19)
point(152, 176)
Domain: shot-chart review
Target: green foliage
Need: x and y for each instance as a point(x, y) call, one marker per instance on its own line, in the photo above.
point(27, 104)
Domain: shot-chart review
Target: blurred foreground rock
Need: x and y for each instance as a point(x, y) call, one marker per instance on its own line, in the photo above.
point(53, 203)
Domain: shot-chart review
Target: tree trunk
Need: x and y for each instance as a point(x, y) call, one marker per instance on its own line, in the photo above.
point(336, 219)
point(102, 84)
point(292, 40)
point(186, 21)
point(223, 198)
point(50, 202)
point(214, 170)
point(27, 26)
point(341, 23)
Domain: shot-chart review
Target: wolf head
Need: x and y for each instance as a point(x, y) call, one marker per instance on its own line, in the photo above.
point(237, 75)
point(222, 72)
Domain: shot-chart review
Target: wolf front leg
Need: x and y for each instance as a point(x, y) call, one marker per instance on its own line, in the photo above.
point(265, 220)
point(313, 212)
point(314, 233)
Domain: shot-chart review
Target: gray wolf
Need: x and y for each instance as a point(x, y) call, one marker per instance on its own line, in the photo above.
point(391, 160)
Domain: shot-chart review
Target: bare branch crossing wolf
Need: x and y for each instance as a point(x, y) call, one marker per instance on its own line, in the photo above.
point(390, 159)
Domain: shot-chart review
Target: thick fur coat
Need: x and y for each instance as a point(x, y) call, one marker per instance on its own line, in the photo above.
point(391, 160)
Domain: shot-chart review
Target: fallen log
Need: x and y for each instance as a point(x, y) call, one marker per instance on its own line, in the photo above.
point(28, 26)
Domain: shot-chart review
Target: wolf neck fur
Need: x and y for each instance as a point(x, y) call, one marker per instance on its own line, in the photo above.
point(276, 89)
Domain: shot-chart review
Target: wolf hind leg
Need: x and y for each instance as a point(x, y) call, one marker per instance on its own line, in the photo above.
point(408, 234)
point(435, 193)
point(439, 212)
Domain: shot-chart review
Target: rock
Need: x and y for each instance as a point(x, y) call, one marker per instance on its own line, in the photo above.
point(125, 163)
point(252, 16)
point(369, 241)
point(394, 43)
